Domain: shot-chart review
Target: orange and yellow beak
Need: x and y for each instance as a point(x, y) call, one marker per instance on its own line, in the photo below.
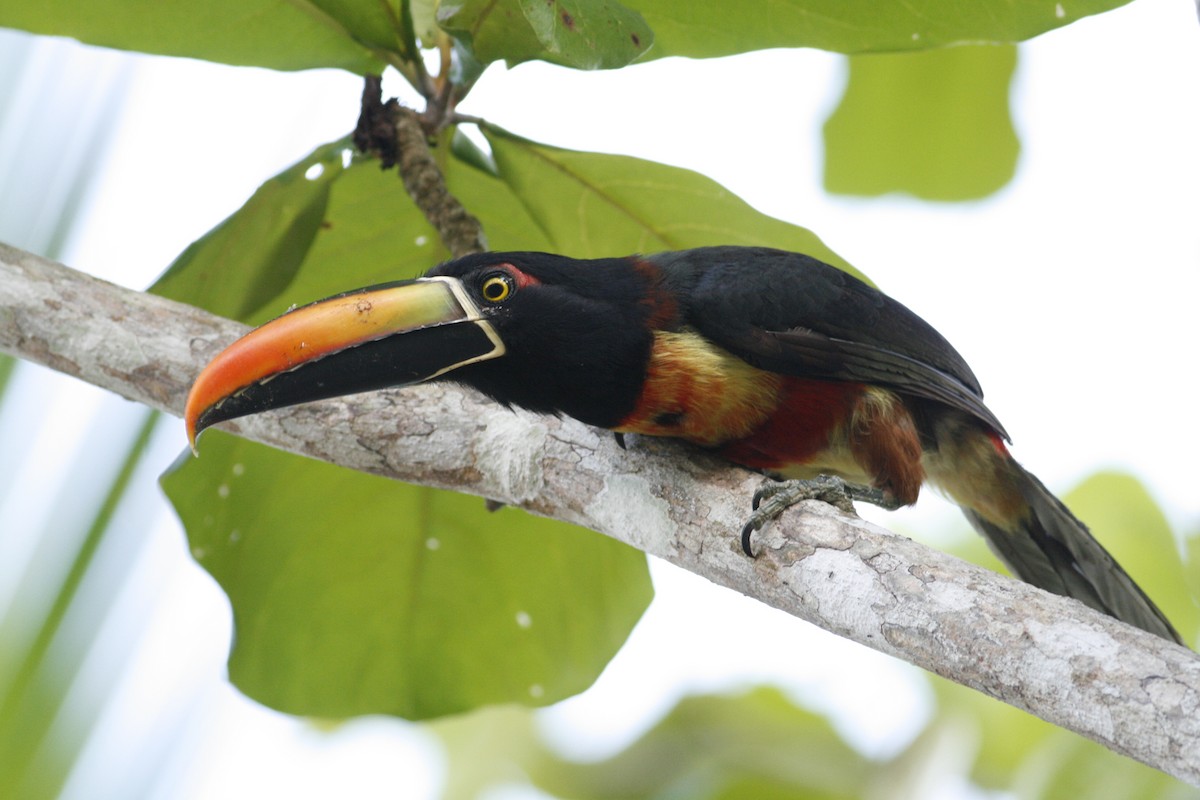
point(388, 335)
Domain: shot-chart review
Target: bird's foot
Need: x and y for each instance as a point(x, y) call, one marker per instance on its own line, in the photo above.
point(774, 497)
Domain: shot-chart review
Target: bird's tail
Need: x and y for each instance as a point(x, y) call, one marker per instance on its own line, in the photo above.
point(1040, 540)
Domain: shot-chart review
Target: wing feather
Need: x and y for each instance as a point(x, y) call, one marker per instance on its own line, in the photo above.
point(795, 315)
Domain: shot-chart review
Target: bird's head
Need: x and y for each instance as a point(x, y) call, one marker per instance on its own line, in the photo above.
point(545, 332)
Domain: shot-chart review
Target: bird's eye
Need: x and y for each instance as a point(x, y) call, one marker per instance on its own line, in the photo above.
point(496, 288)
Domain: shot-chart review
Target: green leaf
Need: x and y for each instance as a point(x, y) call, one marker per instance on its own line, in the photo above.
point(321, 227)
point(247, 261)
point(424, 18)
point(374, 23)
point(1017, 752)
point(262, 33)
point(316, 546)
point(740, 747)
point(707, 28)
point(372, 232)
point(934, 124)
point(1192, 561)
point(362, 35)
point(491, 30)
point(1126, 519)
point(1007, 737)
point(591, 205)
point(292, 243)
point(487, 747)
point(302, 238)
point(587, 34)
point(1070, 766)
point(66, 593)
point(354, 595)
point(7, 363)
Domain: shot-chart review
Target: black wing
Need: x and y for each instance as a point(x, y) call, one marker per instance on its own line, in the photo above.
point(795, 315)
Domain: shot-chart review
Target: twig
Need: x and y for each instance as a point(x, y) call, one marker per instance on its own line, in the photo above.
point(397, 136)
point(1129, 690)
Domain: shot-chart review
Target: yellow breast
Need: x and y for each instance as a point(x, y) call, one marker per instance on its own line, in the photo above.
point(698, 391)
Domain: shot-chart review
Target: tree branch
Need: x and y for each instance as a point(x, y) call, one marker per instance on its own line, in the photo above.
point(1133, 692)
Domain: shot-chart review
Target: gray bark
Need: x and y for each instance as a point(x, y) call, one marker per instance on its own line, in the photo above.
point(1130, 691)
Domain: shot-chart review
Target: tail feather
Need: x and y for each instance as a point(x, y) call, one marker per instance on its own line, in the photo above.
point(1048, 547)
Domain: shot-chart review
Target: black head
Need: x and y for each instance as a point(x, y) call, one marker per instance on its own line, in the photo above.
point(575, 332)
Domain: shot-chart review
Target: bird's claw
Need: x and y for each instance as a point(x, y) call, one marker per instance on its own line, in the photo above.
point(774, 497)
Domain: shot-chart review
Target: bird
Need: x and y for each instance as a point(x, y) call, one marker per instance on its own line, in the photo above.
point(773, 360)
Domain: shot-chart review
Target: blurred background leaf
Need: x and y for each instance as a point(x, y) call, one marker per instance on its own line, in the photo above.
point(1124, 516)
point(934, 124)
point(740, 746)
point(730, 747)
point(64, 642)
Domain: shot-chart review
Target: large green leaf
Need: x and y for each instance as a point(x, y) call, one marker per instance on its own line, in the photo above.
point(372, 232)
point(318, 228)
point(361, 35)
point(934, 124)
point(507, 30)
point(263, 33)
point(321, 227)
point(590, 205)
point(375, 23)
point(705, 28)
point(356, 595)
point(588, 34)
point(329, 224)
point(237, 268)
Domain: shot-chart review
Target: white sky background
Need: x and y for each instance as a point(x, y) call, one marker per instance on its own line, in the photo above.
point(1072, 294)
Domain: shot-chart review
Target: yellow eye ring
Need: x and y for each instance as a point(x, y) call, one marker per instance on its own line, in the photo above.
point(496, 289)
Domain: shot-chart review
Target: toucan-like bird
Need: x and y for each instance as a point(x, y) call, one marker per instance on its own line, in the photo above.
point(774, 360)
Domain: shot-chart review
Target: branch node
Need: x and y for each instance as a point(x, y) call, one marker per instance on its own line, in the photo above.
point(399, 136)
